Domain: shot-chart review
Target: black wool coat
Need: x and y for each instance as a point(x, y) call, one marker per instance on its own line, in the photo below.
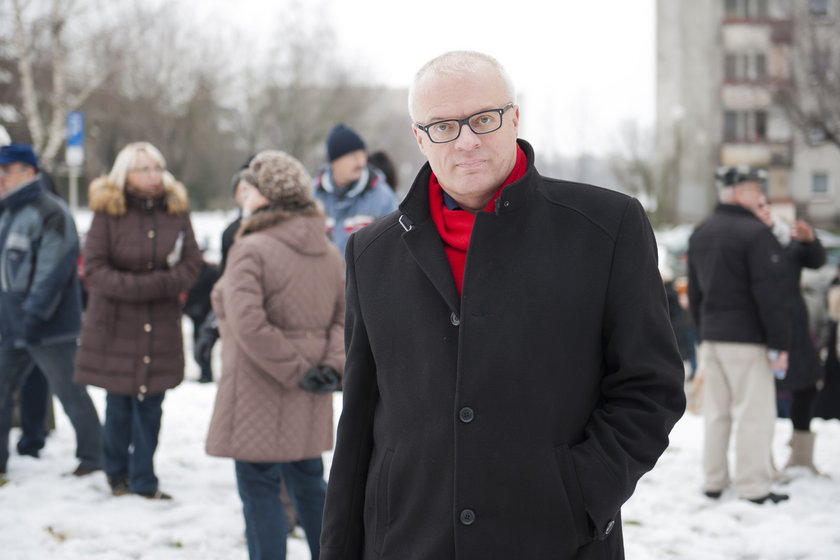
point(736, 280)
point(512, 422)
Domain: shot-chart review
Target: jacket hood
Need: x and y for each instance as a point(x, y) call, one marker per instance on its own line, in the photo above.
point(304, 231)
point(103, 196)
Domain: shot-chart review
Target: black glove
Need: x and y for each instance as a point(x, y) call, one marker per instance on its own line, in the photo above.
point(208, 333)
point(32, 329)
point(320, 380)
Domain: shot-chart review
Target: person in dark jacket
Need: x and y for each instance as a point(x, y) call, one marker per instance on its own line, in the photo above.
point(736, 287)
point(198, 308)
point(208, 331)
point(511, 368)
point(140, 256)
point(353, 193)
point(40, 307)
point(828, 399)
point(802, 249)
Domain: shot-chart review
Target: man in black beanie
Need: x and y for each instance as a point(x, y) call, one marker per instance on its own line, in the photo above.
point(353, 192)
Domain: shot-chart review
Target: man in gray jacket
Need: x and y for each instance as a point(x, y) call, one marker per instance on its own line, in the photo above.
point(40, 303)
point(735, 290)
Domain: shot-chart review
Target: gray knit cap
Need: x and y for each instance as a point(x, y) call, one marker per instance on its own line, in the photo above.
point(281, 178)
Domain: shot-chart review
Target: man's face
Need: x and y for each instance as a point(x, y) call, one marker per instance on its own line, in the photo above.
point(473, 166)
point(763, 213)
point(13, 175)
point(348, 168)
point(749, 195)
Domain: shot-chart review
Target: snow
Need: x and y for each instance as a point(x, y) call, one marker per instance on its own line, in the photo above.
point(44, 513)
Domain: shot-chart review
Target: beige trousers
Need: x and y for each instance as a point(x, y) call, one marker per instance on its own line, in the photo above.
point(739, 397)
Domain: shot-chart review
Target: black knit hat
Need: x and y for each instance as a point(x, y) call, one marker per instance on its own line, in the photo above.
point(342, 140)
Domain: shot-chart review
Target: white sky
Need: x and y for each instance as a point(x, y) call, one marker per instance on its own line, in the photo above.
point(581, 68)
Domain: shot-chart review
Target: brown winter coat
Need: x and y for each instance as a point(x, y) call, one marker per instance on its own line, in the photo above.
point(280, 309)
point(132, 341)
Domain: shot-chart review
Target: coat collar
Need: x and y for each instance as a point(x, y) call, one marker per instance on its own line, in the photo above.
point(421, 236)
point(736, 209)
point(415, 206)
point(103, 196)
point(22, 195)
point(304, 230)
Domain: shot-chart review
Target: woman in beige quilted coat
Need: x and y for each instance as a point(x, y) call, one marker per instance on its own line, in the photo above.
point(280, 310)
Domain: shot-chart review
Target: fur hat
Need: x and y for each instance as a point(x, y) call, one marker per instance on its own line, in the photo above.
point(342, 140)
point(281, 178)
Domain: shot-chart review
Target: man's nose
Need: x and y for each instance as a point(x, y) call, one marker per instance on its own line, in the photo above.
point(467, 138)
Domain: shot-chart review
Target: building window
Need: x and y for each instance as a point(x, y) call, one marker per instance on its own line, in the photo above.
point(819, 8)
point(744, 126)
point(819, 184)
point(759, 125)
point(744, 67)
point(815, 135)
point(755, 9)
point(734, 8)
point(820, 63)
point(760, 68)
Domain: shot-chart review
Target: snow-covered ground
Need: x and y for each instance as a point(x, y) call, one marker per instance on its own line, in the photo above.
point(45, 514)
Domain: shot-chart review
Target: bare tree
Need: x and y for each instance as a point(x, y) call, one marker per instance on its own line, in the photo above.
point(39, 42)
point(811, 94)
point(635, 166)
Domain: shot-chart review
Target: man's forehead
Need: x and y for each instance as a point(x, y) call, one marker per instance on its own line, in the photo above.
point(443, 96)
point(750, 185)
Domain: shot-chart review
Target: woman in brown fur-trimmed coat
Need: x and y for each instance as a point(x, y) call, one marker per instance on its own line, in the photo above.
point(280, 310)
point(140, 255)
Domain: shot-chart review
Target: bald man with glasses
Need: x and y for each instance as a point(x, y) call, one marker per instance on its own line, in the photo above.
point(511, 367)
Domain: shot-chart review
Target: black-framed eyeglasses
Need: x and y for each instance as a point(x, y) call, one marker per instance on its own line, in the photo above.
point(482, 122)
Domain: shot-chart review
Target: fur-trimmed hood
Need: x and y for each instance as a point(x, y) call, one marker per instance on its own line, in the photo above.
point(104, 196)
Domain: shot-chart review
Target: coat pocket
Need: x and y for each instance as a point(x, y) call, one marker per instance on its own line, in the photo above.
point(382, 513)
point(574, 494)
point(17, 263)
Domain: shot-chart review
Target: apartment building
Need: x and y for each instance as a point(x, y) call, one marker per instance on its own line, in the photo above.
point(720, 67)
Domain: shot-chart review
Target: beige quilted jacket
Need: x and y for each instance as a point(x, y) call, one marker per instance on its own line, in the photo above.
point(280, 309)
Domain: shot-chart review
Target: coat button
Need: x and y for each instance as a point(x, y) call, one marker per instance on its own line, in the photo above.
point(147, 327)
point(466, 415)
point(467, 517)
point(454, 319)
point(608, 529)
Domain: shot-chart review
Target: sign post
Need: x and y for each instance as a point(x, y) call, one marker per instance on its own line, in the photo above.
point(74, 155)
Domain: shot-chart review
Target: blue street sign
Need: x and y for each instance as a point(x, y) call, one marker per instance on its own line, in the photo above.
point(75, 129)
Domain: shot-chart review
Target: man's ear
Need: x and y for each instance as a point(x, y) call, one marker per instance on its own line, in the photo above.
point(421, 138)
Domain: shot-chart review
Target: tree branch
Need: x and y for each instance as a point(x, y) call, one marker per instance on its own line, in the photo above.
point(28, 93)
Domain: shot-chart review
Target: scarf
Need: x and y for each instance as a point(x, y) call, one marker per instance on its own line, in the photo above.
point(455, 226)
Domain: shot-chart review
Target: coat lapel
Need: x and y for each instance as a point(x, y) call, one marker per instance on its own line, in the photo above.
point(425, 246)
